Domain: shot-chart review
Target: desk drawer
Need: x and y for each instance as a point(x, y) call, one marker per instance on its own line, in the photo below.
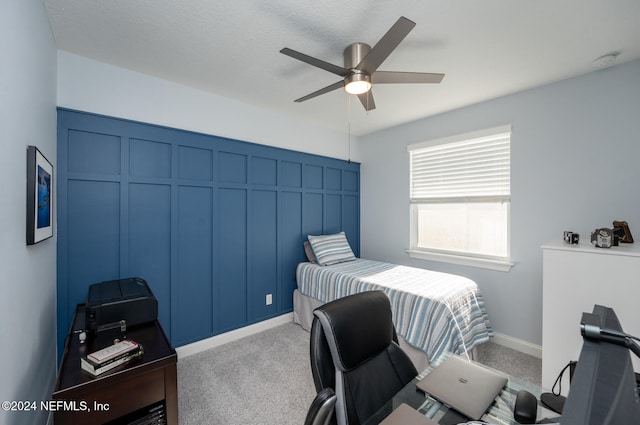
point(121, 398)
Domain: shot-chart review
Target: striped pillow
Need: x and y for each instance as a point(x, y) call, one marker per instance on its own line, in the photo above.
point(331, 249)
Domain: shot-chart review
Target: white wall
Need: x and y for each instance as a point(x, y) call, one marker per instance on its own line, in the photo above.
point(92, 86)
point(28, 274)
point(575, 153)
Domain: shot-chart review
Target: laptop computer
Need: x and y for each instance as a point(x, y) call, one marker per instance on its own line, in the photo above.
point(464, 386)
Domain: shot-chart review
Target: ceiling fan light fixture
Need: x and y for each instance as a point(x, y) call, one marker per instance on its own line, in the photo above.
point(361, 63)
point(357, 83)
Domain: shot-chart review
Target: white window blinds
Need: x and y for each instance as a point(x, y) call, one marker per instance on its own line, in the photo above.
point(467, 168)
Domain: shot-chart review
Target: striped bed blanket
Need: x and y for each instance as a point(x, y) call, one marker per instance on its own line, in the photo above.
point(436, 312)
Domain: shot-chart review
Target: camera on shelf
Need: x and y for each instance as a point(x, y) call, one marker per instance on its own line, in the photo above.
point(603, 238)
point(571, 237)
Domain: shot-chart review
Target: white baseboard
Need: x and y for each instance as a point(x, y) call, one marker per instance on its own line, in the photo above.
point(517, 344)
point(218, 340)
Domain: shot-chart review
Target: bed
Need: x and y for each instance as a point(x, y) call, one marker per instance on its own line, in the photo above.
point(433, 312)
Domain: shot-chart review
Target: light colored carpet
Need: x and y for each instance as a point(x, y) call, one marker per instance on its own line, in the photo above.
point(525, 367)
point(265, 379)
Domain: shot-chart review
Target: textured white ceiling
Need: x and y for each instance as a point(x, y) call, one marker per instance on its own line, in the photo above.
point(486, 48)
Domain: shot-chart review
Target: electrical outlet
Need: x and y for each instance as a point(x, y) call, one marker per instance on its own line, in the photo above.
point(269, 300)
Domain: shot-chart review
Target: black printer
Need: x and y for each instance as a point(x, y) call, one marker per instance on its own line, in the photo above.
point(114, 305)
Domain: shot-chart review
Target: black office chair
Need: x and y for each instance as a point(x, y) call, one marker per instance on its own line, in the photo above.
point(322, 409)
point(354, 349)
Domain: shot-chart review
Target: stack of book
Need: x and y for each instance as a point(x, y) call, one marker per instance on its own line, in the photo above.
point(111, 357)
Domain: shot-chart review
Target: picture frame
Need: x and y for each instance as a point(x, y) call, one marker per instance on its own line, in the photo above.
point(39, 197)
point(621, 228)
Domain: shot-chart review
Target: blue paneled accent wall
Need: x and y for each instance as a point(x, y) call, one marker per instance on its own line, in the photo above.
point(212, 224)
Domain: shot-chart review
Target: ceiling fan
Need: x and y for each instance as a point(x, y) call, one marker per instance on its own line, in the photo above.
point(361, 63)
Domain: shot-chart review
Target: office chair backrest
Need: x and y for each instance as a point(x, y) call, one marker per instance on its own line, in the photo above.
point(353, 351)
point(322, 409)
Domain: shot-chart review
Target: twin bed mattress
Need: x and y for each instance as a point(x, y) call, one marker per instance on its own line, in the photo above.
point(433, 311)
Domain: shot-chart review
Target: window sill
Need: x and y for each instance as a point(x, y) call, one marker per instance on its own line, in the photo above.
point(498, 265)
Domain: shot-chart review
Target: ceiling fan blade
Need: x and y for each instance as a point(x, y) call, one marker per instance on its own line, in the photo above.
point(367, 100)
point(386, 45)
point(335, 69)
point(327, 89)
point(390, 77)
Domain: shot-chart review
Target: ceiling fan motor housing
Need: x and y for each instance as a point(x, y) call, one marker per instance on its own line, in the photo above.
point(354, 53)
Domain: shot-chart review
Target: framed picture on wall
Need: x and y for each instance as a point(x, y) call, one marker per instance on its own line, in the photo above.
point(39, 197)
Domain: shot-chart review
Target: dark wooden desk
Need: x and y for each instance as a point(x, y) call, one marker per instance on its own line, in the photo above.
point(500, 412)
point(123, 390)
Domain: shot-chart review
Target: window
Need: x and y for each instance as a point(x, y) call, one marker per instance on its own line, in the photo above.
point(460, 197)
